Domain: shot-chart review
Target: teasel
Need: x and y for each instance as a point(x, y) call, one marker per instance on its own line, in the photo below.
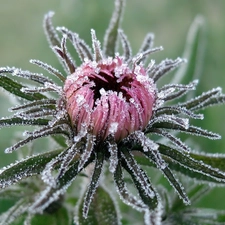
point(107, 108)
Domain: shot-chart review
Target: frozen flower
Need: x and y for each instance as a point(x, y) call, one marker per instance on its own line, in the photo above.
point(109, 98)
point(107, 108)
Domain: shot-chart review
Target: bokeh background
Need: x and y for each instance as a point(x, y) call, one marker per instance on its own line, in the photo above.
point(22, 38)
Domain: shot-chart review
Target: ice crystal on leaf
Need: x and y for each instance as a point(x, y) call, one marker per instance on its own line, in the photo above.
point(107, 108)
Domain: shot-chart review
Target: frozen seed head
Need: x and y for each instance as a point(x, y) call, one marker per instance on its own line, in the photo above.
point(109, 97)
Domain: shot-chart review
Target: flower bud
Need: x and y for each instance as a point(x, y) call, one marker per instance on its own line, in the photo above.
point(109, 98)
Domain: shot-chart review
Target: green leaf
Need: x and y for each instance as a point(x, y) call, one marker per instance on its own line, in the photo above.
point(142, 160)
point(52, 194)
point(197, 217)
point(194, 53)
point(15, 88)
point(94, 183)
point(102, 210)
point(50, 31)
point(214, 160)
point(141, 180)
point(61, 140)
point(13, 121)
point(195, 193)
point(11, 193)
point(207, 167)
point(192, 167)
point(25, 168)
point(206, 99)
point(59, 217)
point(112, 31)
point(13, 215)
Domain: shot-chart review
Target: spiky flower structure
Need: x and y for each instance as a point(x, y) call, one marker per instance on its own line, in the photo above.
point(107, 108)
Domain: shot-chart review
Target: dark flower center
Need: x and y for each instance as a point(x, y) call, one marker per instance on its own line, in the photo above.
point(110, 83)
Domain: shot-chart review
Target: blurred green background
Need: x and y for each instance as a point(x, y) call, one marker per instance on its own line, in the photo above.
point(22, 38)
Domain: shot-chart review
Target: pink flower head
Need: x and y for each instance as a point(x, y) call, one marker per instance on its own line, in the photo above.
point(109, 98)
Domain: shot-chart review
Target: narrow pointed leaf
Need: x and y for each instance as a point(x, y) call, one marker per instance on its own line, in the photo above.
point(6, 122)
point(15, 88)
point(203, 168)
point(127, 52)
point(19, 121)
point(195, 193)
point(146, 191)
point(79, 44)
point(50, 31)
point(198, 217)
point(110, 40)
point(25, 168)
point(214, 160)
point(193, 130)
point(191, 167)
point(125, 196)
point(199, 176)
point(93, 184)
point(102, 210)
point(174, 182)
point(52, 194)
point(49, 68)
point(206, 99)
point(194, 53)
point(147, 44)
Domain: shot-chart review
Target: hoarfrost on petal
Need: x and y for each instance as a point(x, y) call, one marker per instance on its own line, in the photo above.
point(113, 128)
point(131, 100)
point(82, 133)
point(80, 100)
point(102, 92)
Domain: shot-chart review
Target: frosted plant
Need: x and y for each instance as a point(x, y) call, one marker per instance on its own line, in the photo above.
point(108, 110)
